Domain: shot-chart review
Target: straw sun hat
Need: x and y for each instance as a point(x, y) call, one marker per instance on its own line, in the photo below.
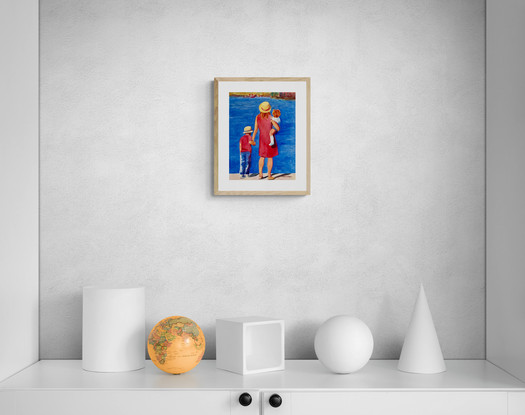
point(265, 107)
point(248, 130)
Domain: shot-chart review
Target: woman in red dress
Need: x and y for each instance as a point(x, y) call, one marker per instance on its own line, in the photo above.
point(263, 124)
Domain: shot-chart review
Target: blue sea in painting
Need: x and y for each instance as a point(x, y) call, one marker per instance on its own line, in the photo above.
point(243, 111)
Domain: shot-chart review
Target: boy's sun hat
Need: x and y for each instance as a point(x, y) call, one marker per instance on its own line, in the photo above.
point(248, 129)
point(265, 107)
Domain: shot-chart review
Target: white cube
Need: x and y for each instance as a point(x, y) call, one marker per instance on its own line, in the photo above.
point(248, 345)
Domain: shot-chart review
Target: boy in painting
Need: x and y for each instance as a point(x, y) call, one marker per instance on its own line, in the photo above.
point(245, 149)
point(276, 114)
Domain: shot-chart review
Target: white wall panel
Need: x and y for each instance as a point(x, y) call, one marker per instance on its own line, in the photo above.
point(506, 185)
point(18, 185)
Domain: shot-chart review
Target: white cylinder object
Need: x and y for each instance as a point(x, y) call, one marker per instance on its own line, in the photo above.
point(344, 344)
point(113, 329)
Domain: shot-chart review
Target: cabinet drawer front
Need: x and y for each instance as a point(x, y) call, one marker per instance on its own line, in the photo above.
point(516, 403)
point(121, 402)
point(399, 403)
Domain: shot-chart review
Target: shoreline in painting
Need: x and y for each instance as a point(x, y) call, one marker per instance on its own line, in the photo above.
point(274, 95)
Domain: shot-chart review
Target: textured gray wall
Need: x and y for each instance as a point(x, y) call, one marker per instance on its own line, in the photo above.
point(397, 166)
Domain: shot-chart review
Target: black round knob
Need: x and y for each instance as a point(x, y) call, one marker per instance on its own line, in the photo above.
point(245, 399)
point(275, 400)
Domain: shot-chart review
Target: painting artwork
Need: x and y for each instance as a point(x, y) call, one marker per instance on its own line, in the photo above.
point(262, 136)
point(265, 123)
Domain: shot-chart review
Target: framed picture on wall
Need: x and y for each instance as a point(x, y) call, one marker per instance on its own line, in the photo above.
point(262, 136)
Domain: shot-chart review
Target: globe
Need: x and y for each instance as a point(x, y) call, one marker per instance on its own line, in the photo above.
point(176, 344)
point(343, 344)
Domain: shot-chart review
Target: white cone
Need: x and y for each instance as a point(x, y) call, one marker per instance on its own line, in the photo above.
point(421, 351)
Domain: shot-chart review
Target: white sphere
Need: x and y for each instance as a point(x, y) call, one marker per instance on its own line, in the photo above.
point(344, 344)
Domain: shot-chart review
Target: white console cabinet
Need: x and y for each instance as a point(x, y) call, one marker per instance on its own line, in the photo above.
point(305, 387)
point(399, 403)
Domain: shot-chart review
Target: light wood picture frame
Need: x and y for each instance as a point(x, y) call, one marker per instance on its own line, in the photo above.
point(262, 136)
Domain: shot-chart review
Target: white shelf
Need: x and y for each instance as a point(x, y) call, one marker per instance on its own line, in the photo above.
point(303, 375)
